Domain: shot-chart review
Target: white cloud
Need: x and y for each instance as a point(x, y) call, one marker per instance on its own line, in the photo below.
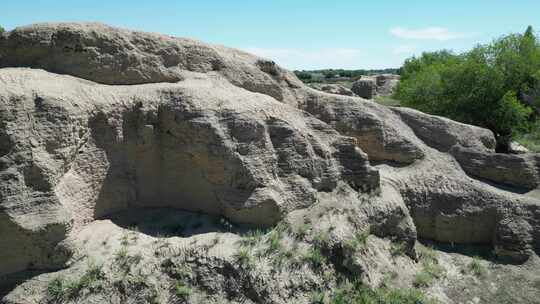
point(404, 49)
point(428, 33)
point(291, 58)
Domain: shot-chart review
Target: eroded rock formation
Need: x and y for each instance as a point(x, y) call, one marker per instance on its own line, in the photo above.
point(96, 120)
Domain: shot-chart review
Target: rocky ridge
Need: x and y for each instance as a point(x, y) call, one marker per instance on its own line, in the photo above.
point(101, 128)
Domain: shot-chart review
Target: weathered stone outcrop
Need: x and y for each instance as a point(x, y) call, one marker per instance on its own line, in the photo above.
point(378, 85)
point(380, 133)
point(442, 133)
point(110, 55)
point(366, 87)
point(520, 171)
point(332, 89)
point(96, 120)
point(386, 84)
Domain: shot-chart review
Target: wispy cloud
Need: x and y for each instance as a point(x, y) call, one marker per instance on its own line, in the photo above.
point(428, 33)
point(293, 58)
point(404, 49)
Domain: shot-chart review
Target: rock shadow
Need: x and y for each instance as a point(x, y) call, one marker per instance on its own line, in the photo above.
point(167, 158)
point(169, 222)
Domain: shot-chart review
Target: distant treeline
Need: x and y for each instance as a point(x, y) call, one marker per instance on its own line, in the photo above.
point(318, 75)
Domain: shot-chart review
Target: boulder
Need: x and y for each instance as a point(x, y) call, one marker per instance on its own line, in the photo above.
point(517, 148)
point(365, 87)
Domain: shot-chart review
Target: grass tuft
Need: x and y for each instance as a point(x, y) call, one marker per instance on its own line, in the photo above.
point(359, 241)
point(431, 269)
point(61, 289)
point(476, 267)
point(315, 257)
point(243, 257)
point(182, 290)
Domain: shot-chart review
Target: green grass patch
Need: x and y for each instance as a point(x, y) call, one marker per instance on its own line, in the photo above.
point(355, 293)
point(61, 289)
point(431, 269)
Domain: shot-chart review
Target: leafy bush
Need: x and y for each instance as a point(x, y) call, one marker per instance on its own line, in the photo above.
point(492, 86)
point(2, 30)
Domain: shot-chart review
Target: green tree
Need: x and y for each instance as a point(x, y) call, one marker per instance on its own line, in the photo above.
point(492, 86)
point(304, 76)
point(328, 74)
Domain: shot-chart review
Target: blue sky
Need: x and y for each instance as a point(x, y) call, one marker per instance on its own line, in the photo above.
point(302, 34)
